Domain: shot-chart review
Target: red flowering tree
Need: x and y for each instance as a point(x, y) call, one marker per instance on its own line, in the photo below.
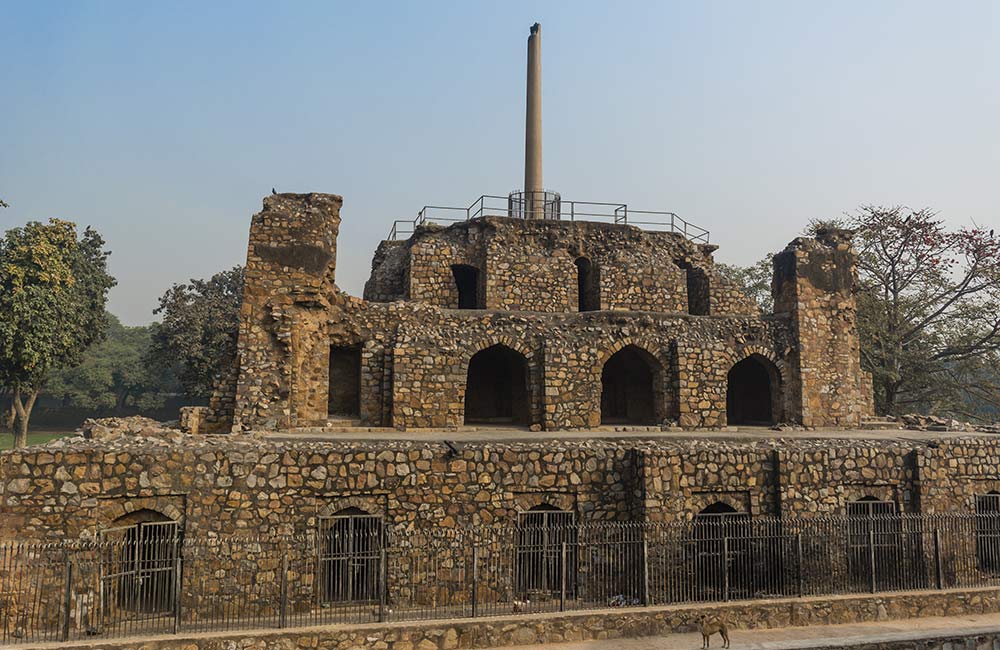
point(928, 311)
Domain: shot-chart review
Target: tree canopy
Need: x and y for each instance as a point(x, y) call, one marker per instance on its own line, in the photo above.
point(53, 289)
point(114, 375)
point(928, 310)
point(197, 337)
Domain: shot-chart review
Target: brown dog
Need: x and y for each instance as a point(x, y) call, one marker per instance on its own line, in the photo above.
point(709, 626)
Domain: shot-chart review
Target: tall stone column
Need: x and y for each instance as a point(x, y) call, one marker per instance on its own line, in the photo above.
point(533, 192)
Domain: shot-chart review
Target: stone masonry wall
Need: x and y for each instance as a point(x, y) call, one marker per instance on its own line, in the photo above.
point(814, 284)
point(245, 484)
point(415, 350)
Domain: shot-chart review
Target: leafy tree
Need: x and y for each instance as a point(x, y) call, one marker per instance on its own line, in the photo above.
point(755, 280)
point(53, 288)
point(114, 375)
point(197, 336)
point(928, 310)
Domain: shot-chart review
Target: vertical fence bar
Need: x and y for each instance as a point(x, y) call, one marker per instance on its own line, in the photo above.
point(645, 572)
point(562, 576)
point(177, 586)
point(67, 598)
point(382, 583)
point(725, 567)
point(799, 573)
point(475, 580)
point(939, 578)
point(871, 556)
point(283, 607)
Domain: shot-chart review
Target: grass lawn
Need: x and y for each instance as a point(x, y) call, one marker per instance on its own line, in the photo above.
point(34, 437)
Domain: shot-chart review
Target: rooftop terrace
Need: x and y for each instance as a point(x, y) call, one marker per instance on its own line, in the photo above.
point(549, 206)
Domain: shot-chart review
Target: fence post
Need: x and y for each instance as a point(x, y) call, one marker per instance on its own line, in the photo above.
point(645, 573)
point(725, 567)
point(475, 580)
point(283, 608)
point(177, 586)
point(562, 576)
point(382, 582)
point(798, 563)
point(939, 578)
point(67, 597)
point(871, 557)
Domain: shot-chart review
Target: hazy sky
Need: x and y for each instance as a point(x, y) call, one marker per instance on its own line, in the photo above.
point(163, 124)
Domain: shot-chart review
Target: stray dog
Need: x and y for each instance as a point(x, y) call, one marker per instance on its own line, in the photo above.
point(709, 626)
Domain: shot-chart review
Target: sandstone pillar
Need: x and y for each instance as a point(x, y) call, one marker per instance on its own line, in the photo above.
point(533, 193)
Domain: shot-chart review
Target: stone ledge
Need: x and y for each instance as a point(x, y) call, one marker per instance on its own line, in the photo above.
point(455, 634)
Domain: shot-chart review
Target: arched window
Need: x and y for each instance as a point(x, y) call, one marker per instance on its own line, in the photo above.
point(140, 553)
point(721, 548)
point(467, 285)
point(345, 381)
point(351, 556)
point(496, 387)
point(544, 533)
point(988, 531)
point(588, 285)
point(753, 392)
point(631, 387)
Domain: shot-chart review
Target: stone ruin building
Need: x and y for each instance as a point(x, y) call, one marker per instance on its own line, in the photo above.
point(525, 312)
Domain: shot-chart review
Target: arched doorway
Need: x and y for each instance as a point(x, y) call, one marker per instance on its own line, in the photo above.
point(139, 563)
point(629, 387)
point(351, 556)
point(496, 387)
point(752, 392)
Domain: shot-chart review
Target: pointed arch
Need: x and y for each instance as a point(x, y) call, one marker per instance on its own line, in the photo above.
point(754, 391)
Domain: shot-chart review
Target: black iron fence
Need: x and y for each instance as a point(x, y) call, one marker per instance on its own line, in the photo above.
point(357, 570)
point(550, 206)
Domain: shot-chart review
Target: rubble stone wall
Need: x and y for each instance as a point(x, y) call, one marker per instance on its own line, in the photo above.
point(416, 344)
point(243, 484)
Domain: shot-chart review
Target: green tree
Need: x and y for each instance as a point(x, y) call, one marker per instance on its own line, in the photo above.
point(197, 337)
point(53, 288)
point(755, 280)
point(114, 375)
point(928, 310)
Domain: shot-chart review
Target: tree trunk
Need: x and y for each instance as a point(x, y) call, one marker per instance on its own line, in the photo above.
point(22, 410)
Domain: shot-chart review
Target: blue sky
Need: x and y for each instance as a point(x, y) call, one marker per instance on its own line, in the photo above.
point(163, 124)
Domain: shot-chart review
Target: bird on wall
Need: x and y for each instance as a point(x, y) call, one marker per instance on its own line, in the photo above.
point(272, 191)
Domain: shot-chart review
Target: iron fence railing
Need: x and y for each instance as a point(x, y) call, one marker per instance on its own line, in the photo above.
point(549, 206)
point(360, 570)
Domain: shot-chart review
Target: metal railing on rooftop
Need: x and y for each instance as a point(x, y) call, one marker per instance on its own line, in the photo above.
point(551, 207)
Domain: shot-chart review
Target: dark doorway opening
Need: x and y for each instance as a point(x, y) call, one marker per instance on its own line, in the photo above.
point(496, 388)
point(722, 550)
point(698, 294)
point(546, 551)
point(140, 562)
point(988, 531)
point(345, 381)
point(628, 394)
point(351, 556)
point(588, 285)
point(467, 283)
point(751, 394)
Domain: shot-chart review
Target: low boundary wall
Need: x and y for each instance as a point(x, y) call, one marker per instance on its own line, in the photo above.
point(581, 626)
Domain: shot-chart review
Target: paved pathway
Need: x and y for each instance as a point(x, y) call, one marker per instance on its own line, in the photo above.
point(817, 636)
